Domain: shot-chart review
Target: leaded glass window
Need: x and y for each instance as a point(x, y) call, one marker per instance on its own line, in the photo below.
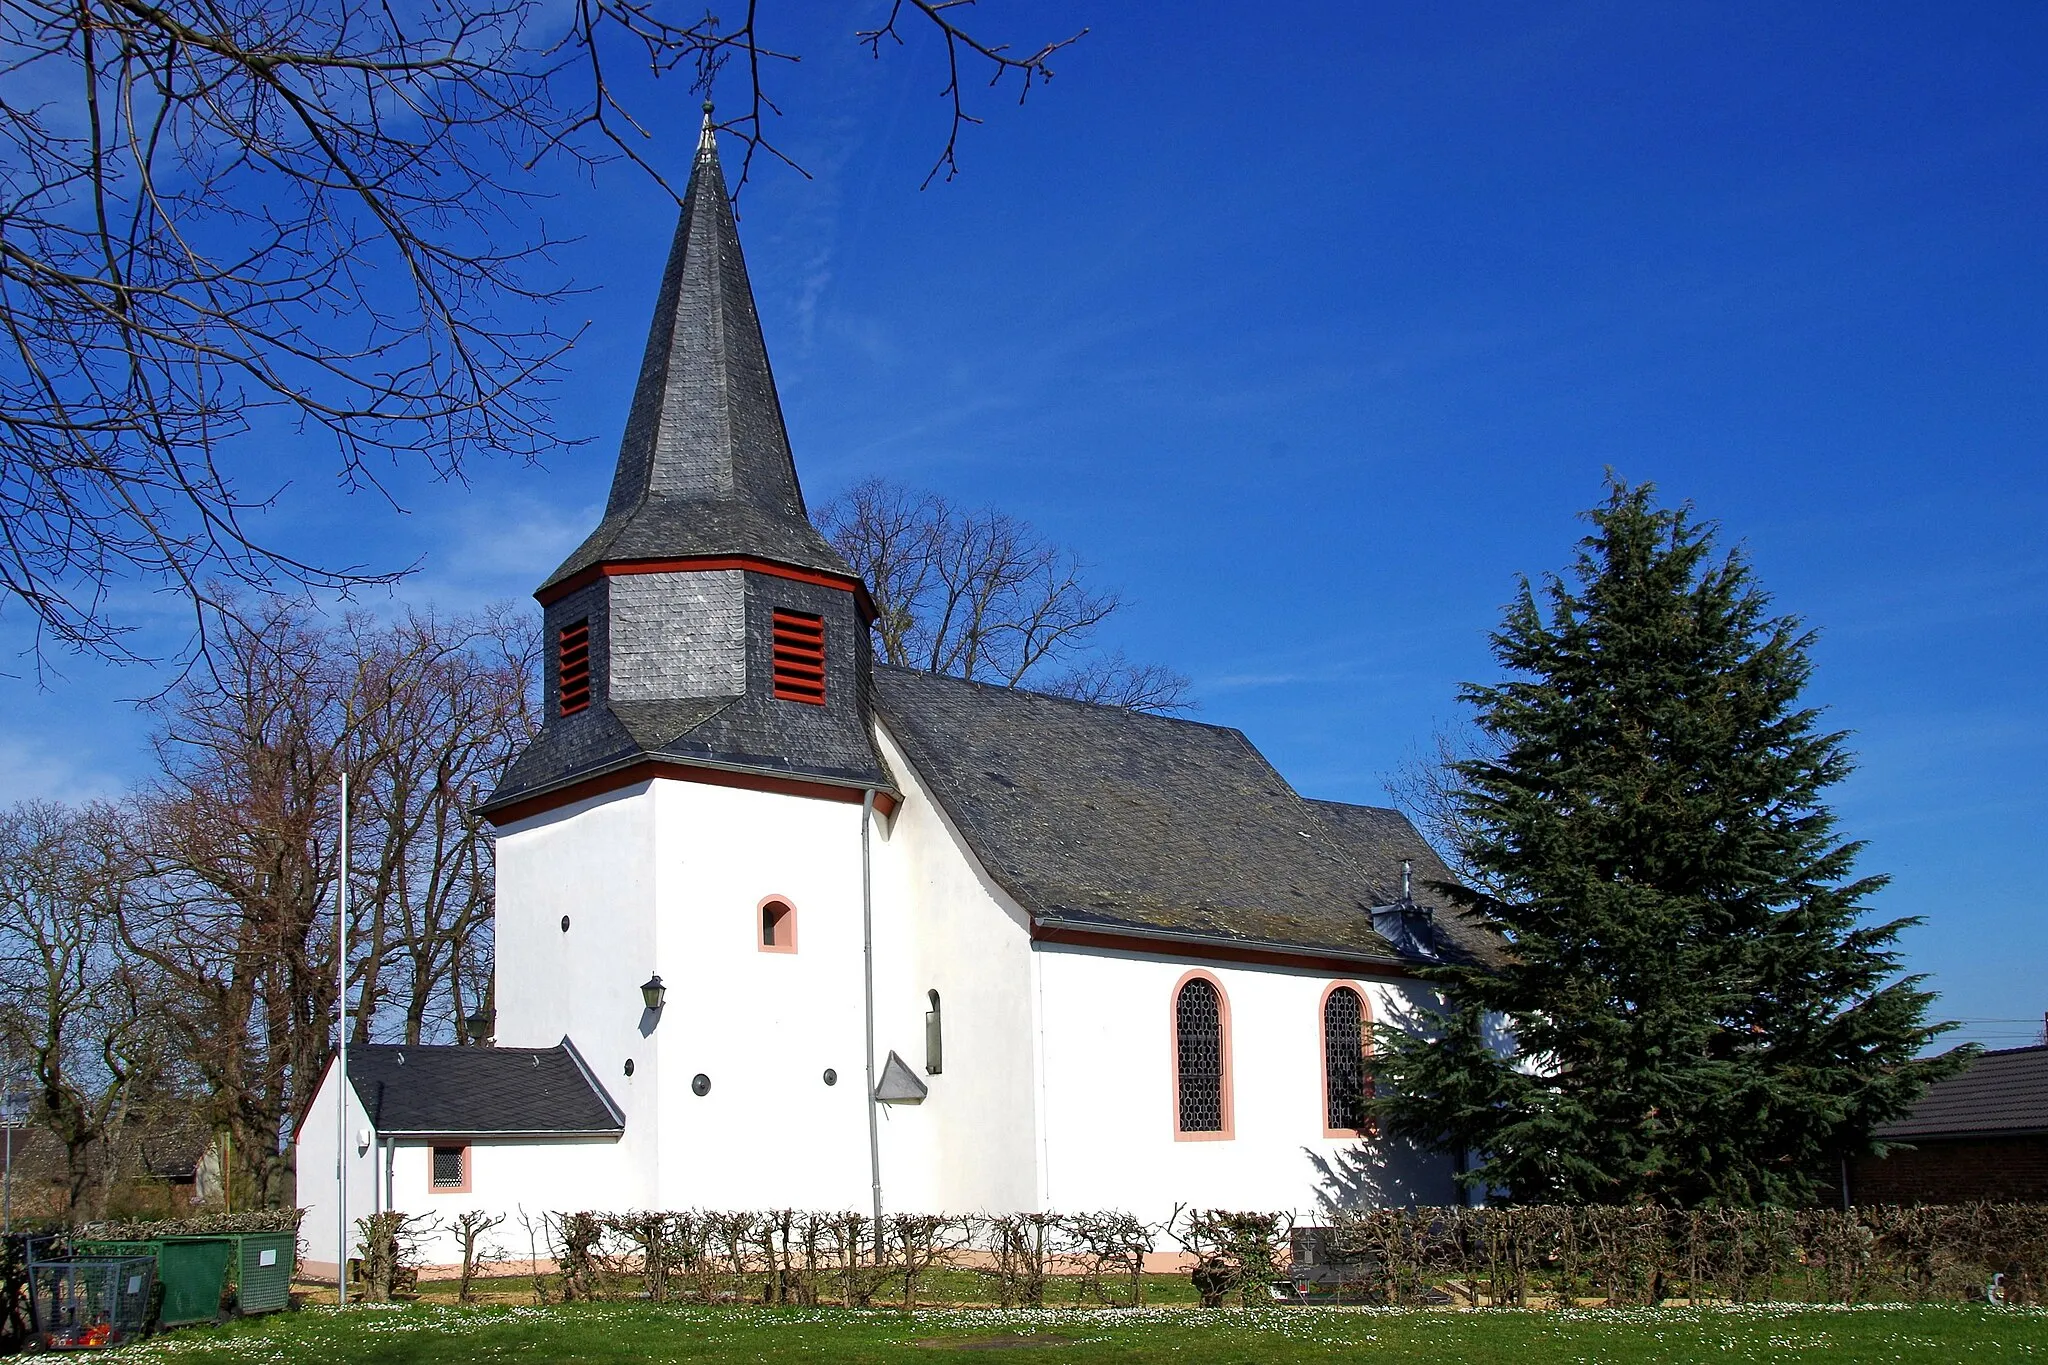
point(1346, 1087)
point(1198, 1038)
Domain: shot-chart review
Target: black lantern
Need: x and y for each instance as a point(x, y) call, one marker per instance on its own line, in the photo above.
point(654, 993)
point(479, 1025)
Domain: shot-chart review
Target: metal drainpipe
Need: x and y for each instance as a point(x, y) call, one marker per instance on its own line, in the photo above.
point(867, 948)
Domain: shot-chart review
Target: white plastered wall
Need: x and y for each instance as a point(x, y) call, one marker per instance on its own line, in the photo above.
point(507, 1177)
point(1109, 1117)
point(595, 862)
point(941, 924)
point(318, 1178)
point(762, 1027)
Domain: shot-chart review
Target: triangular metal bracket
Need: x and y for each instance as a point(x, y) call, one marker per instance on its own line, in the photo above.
point(899, 1084)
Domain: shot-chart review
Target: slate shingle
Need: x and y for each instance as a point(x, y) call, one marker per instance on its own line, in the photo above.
point(1093, 816)
point(704, 466)
point(446, 1091)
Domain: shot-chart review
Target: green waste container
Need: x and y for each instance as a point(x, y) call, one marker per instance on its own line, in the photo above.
point(190, 1271)
point(264, 1262)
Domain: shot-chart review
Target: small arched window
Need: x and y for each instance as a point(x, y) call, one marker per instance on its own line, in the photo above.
point(1201, 1048)
point(1346, 1085)
point(934, 1038)
point(778, 926)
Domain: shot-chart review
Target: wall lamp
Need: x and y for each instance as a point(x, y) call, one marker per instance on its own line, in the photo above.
point(654, 993)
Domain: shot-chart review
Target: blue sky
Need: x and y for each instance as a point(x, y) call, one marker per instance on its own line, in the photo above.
point(1312, 330)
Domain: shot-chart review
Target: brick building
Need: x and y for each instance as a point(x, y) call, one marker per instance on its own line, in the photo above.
point(1982, 1134)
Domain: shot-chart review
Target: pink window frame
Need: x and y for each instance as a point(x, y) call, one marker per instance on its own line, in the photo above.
point(1229, 1129)
point(1323, 1055)
point(787, 924)
point(468, 1171)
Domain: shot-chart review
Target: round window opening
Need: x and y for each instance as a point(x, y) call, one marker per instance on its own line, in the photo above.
point(700, 1084)
point(831, 1076)
point(565, 924)
point(629, 1066)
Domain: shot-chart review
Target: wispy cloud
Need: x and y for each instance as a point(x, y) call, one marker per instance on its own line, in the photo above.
point(31, 770)
point(495, 548)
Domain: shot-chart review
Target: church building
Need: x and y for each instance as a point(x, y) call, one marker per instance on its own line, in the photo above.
point(779, 926)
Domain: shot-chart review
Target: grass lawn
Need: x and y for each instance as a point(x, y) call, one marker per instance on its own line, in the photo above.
point(644, 1334)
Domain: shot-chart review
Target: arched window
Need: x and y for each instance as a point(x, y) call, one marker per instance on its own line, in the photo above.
point(1201, 1048)
point(934, 1038)
point(1346, 1086)
point(778, 926)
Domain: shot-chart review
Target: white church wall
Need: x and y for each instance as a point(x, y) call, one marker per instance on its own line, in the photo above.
point(508, 1178)
point(593, 861)
point(761, 1026)
point(317, 1177)
point(942, 925)
point(1108, 1102)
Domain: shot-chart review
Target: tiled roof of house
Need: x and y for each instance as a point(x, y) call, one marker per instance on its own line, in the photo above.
point(705, 467)
point(2003, 1093)
point(1097, 817)
point(444, 1091)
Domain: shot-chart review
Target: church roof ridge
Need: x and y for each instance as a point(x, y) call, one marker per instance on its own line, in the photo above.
point(704, 466)
point(1012, 690)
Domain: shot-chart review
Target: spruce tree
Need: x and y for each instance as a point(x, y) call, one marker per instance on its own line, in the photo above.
point(1696, 1009)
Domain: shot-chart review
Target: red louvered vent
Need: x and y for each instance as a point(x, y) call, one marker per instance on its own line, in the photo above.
point(799, 657)
point(572, 667)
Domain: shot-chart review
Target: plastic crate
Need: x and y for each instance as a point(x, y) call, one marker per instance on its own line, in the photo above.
point(85, 1303)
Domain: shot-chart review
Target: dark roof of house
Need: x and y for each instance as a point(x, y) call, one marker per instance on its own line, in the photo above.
point(2003, 1093)
point(446, 1091)
point(1096, 817)
point(705, 467)
point(173, 1153)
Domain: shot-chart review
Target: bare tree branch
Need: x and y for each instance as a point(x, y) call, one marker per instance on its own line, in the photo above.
point(980, 595)
point(996, 57)
point(239, 838)
point(306, 225)
point(1427, 789)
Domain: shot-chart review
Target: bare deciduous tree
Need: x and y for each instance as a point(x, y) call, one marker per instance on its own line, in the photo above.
point(79, 1009)
point(1426, 788)
point(241, 838)
point(314, 226)
point(980, 595)
point(239, 832)
point(440, 707)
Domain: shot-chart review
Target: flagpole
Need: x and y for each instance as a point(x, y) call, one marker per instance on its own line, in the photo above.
point(341, 1054)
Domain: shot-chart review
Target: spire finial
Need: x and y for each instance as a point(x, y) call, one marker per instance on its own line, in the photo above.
point(707, 137)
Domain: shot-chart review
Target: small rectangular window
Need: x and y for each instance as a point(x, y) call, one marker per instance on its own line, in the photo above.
point(451, 1168)
point(799, 657)
point(572, 667)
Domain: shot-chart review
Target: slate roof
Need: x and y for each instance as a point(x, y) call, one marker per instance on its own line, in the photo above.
point(444, 1091)
point(1094, 817)
point(2002, 1094)
point(705, 467)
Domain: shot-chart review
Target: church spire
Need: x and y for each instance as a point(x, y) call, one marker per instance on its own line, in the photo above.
point(705, 466)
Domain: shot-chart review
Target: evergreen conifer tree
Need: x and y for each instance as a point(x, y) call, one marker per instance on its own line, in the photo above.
point(1695, 1008)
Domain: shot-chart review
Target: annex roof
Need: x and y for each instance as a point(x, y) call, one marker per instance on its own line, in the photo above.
point(705, 468)
point(1095, 817)
point(2002, 1094)
point(445, 1091)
